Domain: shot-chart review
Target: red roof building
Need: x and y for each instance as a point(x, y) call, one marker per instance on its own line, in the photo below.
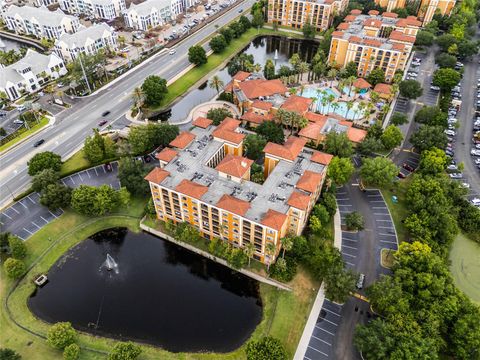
point(237, 166)
point(182, 140)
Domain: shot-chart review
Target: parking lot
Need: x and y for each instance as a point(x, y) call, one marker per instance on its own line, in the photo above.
point(349, 239)
point(27, 216)
point(409, 165)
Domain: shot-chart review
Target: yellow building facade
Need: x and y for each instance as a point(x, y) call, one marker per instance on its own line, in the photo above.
point(426, 9)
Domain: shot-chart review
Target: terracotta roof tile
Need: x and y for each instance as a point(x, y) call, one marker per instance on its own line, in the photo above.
point(321, 158)
point(413, 21)
point(234, 165)
point(338, 34)
point(343, 26)
point(241, 76)
point(317, 118)
point(250, 116)
point(225, 131)
point(253, 89)
point(309, 181)
point(262, 105)
point(373, 12)
point(182, 140)
point(399, 36)
point(311, 131)
point(274, 219)
point(356, 12)
point(296, 103)
point(383, 89)
point(361, 83)
point(234, 205)
point(202, 122)
point(372, 42)
point(390, 15)
point(355, 39)
point(191, 189)
point(398, 47)
point(167, 154)
point(299, 200)
point(157, 175)
point(287, 151)
point(356, 135)
point(372, 23)
point(228, 87)
point(349, 18)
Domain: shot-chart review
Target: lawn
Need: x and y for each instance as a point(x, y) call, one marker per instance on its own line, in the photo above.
point(183, 84)
point(43, 122)
point(465, 266)
point(284, 317)
point(398, 210)
point(75, 163)
point(387, 258)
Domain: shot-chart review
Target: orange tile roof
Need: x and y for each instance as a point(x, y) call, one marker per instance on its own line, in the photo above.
point(373, 12)
point(234, 165)
point(338, 34)
point(166, 155)
point(241, 76)
point(343, 26)
point(234, 205)
point(349, 18)
point(321, 158)
point(262, 105)
point(299, 104)
point(311, 131)
point(399, 36)
point(202, 122)
point(287, 151)
point(253, 89)
point(372, 42)
point(299, 200)
point(317, 118)
point(191, 189)
point(372, 23)
point(182, 140)
point(355, 39)
point(390, 15)
point(274, 219)
point(157, 175)
point(228, 87)
point(413, 21)
point(225, 131)
point(361, 83)
point(309, 181)
point(383, 89)
point(356, 135)
point(356, 12)
point(256, 118)
point(229, 124)
point(398, 47)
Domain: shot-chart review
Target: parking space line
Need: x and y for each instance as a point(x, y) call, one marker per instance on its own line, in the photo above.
point(385, 214)
point(342, 193)
point(388, 242)
point(352, 256)
point(386, 234)
point(52, 214)
point(96, 172)
point(379, 207)
point(4, 213)
point(11, 207)
point(338, 199)
point(321, 352)
point(20, 202)
point(372, 201)
point(344, 205)
point(105, 171)
point(349, 247)
point(331, 322)
point(36, 225)
point(321, 340)
point(383, 219)
point(28, 231)
point(41, 217)
point(354, 240)
point(28, 197)
point(80, 176)
point(331, 312)
point(328, 332)
point(88, 173)
point(385, 227)
point(349, 263)
point(63, 182)
point(71, 178)
point(306, 357)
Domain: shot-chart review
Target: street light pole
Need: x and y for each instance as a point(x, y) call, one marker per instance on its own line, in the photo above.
point(84, 74)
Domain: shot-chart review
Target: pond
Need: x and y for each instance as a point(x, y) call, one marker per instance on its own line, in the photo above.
point(160, 294)
point(262, 48)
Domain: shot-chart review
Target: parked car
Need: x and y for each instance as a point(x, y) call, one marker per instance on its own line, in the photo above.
point(401, 175)
point(456, 175)
point(17, 122)
point(408, 167)
point(361, 280)
point(465, 185)
point(452, 167)
point(475, 202)
point(475, 152)
point(435, 88)
point(450, 132)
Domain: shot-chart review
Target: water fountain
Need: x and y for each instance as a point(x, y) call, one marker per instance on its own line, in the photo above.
point(110, 264)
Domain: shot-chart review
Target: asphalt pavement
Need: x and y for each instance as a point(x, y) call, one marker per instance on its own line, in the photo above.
point(73, 125)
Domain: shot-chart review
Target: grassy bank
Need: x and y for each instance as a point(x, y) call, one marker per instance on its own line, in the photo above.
point(41, 124)
point(182, 85)
point(284, 314)
point(398, 209)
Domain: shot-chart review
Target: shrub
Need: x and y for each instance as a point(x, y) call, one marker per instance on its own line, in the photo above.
point(267, 348)
point(44, 160)
point(71, 352)
point(125, 351)
point(9, 354)
point(14, 268)
point(354, 221)
point(284, 269)
point(60, 335)
point(18, 249)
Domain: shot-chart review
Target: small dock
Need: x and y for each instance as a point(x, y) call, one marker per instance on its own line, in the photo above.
point(41, 280)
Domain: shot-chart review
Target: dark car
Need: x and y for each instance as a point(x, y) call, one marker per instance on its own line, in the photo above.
point(103, 122)
point(108, 167)
point(105, 113)
point(408, 167)
point(401, 175)
point(38, 143)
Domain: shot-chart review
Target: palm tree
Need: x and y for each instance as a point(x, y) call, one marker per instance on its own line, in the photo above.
point(335, 106)
point(324, 102)
point(361, 107)
point(298, 122)
point(302, 68)
point(385, 110)
point(257, 67)
point(349, 105)
point(332, 74)
point(302, 88)
point(350, 81)
point(249, 250)
point(138, 96)
point(374, 97)
point(270, 250)
point(395, 88)
point(287, 244)
point(216, 83)
point(330, 99)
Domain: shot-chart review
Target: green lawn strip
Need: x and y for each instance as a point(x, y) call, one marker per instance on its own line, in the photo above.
point(75, 163)
point(465, 266)
point(183, 84)
point(284, 314)
point(43, 122)
point(398, 210)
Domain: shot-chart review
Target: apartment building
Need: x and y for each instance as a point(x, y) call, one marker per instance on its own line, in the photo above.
point(295, 13)
point(203, 179)
point(40, 22)
point(30, 73)
point(374, 41)
point(148, 14)
point(99, 9)
point(46, 2)
point(426, 8)
point(86, 41)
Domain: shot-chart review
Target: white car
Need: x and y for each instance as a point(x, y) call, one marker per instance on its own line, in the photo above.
point(475, 202)
point(435, 88)
point(452, 167)
point(452, 121)
point(466, 185)
point(456, 175)
point(477, 161)
point(450, 132)
point(172, 52)
point(475, 152)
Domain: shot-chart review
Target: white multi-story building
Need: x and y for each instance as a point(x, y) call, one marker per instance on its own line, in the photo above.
point(40, 22)
point(29, 74)
point(46, 2)
point(100, 9)
point(86, 41)
point(148, 14)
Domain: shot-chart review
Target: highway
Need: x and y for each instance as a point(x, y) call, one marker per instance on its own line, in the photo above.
point(73, 125)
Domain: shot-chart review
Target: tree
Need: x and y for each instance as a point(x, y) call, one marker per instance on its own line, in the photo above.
point(308, 29)
point(424, 38)
point(376, 76)
point(354, 221)
point(444, 60)
point(287, 244)
point(216, 83)
point(340, 170)
point(97, 148)
point(338, 144)
point(218, 43)
point(398, 119)
point(378, 171)
point(269, 69)
point(44, 160)
point(9, 354)
point(411, 89)
point(56, 196)
point(138, 97)
point(427, 137)
point(351, 69)
point(197, 55)
point(431, 115)
point(446, 79)
point(14, 268)
point(154, 88)
point(433, 161)
point(18, 250)
point(90, 200)
point(217, 115)
point(71, 352)
point(60, 335)
point(271, 131)
point(339, 284)
point(465, 335)
point(145, 138)
point(237, 28)
point(253, 146)
point(249, 250)
point(267, 348)
point(245, 22)
point(445, 41)
point(125, 351)
point(131, 173)
point(467, 48)
point(44, 178)
point(391, 137)
point(258, 20)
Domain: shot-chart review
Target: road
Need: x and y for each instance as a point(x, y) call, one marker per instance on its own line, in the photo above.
point(74, 124)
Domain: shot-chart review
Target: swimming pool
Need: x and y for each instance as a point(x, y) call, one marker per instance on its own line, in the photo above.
point(353, 114)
